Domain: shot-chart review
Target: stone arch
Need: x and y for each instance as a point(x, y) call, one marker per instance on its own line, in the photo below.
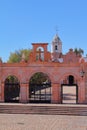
point(40, 88)
point(38, 70)
point(11, 89)
point(64, 78)
point(40, 48)
point(9, 74)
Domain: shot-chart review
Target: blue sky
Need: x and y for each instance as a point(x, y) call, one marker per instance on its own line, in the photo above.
point(23, 22)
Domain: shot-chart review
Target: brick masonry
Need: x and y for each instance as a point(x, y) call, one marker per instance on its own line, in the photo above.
point(58, 72)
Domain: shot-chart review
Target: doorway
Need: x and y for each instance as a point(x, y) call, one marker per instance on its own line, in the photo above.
point(40, 88)
point(69, 91)
point(69, 94)
point(11, 89)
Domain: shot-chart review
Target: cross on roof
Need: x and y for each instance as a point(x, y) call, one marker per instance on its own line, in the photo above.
point(57, 30)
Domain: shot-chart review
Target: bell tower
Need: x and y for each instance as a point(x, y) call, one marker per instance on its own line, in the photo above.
point(56, 45)
point(56, 48)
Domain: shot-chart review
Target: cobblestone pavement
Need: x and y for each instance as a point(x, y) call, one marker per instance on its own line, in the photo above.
point(42, 122)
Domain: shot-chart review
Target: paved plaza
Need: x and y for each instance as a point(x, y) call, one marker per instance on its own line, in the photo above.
point(42, 122)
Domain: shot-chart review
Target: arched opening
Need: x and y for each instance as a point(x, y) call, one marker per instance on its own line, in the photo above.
point(40, 54)
point(71, 80)
point(40, 88)
point(69, 90)
point(11, 89)
point(56, 48)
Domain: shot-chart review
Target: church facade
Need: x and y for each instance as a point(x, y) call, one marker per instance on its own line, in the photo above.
point(64, 76)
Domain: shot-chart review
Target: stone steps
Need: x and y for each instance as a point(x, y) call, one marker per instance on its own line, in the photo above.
point(44, 109)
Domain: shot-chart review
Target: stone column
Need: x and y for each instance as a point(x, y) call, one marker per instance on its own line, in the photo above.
point(81, 91)
point(1, 91)
point(56, 93)
point(24, 92)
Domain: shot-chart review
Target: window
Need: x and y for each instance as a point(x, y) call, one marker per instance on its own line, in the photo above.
point(71, 79)
point(56, 47)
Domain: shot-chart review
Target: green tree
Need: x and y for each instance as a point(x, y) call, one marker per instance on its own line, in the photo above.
point(17, 55)
point(39, 78)
point(79, 51)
